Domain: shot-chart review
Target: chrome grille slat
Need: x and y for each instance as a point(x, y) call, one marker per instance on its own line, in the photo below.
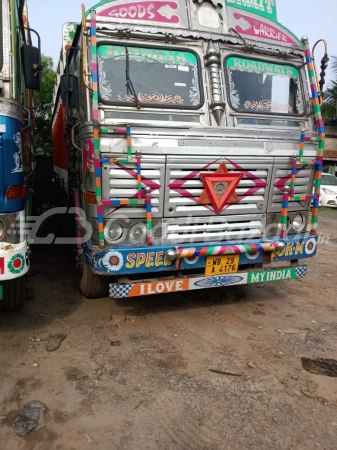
point(209, 227)
point(183, 173)
point(285, 172)
point(242, 235)
point(232, 209)
point(213, 229)
point(154, 173)
point(187, 201)
point(239, 191)
point(130, 193)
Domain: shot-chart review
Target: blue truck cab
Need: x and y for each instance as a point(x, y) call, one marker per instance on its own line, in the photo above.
point(19, 76)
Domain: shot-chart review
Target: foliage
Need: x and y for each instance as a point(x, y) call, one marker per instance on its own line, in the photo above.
point(334, 67)
point(43, 138)
point(329, 109)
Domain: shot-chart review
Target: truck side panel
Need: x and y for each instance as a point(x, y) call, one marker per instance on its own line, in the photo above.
point(11, 161)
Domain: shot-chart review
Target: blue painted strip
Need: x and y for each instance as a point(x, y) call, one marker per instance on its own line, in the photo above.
point(96, 257)
point(115, 202)
point(94, 77)
point(302, 137)
point(98, 173)
point(197, 253)
point(105, 160)
point(100, 218)
point(315, 95)
point(93, 31)
point(321, 130)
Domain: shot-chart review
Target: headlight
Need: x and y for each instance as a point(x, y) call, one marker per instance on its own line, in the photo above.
point(11, 227)
point(137, 232)
point(327, 191)
point(113, 232)
point(298, 222)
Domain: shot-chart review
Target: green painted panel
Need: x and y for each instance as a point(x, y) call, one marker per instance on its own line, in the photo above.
point(103, 2)
point(169, 56)
point(274, 275)
point(264, 8)
point(250, 65)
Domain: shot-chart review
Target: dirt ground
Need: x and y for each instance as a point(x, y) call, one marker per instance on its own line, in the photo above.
point(135, 374)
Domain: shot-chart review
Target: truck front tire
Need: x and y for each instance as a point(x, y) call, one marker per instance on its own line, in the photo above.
point(93, 285)
point(14, 294)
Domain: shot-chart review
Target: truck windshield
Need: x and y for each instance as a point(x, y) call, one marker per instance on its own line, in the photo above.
point(263, 87)
point(161, 78)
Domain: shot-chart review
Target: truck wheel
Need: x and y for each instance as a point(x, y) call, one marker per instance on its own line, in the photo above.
point(14, 294)
point(93, 285)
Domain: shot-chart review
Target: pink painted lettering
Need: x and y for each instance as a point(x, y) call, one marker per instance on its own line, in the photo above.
point(159, 11)
point(133, 11)
point(151, 14)
point(258, 28)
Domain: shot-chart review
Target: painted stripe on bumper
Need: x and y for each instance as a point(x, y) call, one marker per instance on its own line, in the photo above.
point(168, 285)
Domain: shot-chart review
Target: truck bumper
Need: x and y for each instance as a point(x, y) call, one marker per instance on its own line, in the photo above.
point(127, 261)
point(14, 261)
point(190, 283)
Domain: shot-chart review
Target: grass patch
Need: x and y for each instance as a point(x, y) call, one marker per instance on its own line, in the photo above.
point(323, 209)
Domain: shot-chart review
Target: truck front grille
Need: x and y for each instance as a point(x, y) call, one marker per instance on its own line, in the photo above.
point(184, 185)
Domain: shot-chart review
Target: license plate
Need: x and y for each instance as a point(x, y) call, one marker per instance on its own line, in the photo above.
point(220, 265)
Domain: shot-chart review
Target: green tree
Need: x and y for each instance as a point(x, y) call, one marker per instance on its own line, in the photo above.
point(329, 109)
point(43, 138)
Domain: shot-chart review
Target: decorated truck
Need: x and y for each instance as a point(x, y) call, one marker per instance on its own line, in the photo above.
point(188, 138)
point(19, 76)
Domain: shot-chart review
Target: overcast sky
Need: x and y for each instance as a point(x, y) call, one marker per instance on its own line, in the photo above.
point(314, 18)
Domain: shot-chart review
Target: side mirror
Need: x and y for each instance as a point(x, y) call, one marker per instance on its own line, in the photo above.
point(69, 91)
point(31, 58)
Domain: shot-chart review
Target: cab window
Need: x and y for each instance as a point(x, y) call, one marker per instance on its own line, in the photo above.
point(160, 78)
point(261, 87)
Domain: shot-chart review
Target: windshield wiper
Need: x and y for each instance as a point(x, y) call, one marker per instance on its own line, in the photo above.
point(129, 85)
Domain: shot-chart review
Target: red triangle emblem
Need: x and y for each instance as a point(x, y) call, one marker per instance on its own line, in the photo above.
point(220, 188)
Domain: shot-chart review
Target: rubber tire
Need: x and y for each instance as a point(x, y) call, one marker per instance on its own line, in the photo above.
point(14, 293)
point(93, 285)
